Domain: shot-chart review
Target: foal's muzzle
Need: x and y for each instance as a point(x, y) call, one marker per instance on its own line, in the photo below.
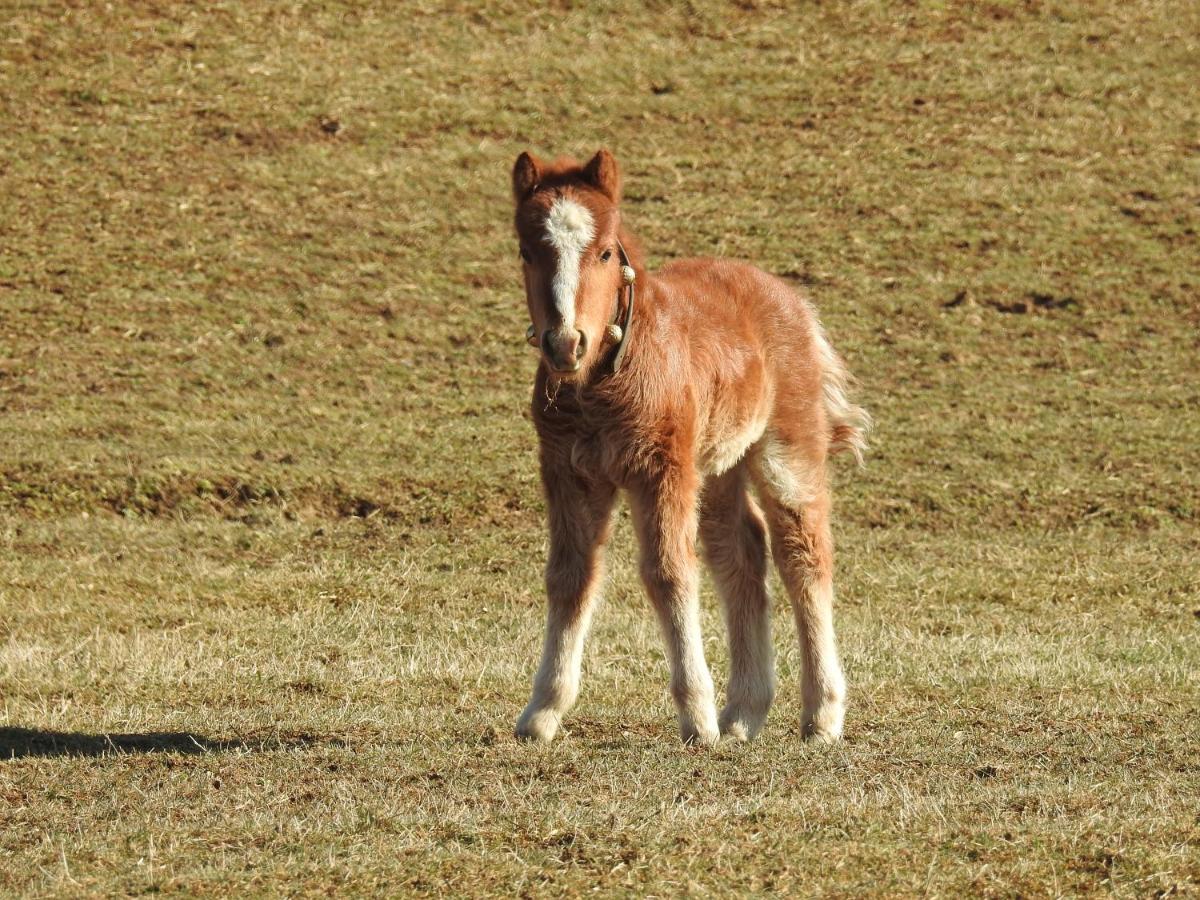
point(563, 348)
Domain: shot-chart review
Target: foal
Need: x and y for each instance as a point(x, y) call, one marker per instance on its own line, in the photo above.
point(683, 388)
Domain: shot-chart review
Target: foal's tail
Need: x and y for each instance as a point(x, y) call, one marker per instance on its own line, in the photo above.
point(848, 423)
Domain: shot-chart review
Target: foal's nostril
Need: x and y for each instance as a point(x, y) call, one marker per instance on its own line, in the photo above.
point(581, 348)
point(561, 349)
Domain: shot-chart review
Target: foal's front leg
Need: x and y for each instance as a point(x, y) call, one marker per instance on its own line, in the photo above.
point(665, 518)
point(580, 522)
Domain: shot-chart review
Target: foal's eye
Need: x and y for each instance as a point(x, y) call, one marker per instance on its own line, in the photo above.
point(524, 254)
point(606, 256)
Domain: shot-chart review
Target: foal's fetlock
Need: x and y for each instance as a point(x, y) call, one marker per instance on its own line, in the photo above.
point(539, 724)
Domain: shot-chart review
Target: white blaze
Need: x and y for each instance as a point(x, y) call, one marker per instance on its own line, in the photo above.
point(569, 230)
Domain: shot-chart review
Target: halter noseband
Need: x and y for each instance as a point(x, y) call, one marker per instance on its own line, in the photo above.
point(618, 330)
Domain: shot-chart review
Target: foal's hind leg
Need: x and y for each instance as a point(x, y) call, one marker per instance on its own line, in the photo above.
point(734, 537)
point(803, 550)
point(580, 523)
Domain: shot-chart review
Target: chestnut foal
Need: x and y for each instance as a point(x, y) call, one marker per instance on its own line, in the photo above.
point(683, 388)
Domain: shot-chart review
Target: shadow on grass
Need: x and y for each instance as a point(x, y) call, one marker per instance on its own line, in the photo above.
point(20, 742)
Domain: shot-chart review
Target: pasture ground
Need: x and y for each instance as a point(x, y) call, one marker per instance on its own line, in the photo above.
point(270, 532)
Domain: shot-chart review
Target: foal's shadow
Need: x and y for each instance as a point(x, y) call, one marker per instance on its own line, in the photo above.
point(20, 742)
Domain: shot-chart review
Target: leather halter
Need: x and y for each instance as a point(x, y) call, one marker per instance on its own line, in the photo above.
point(628, 277)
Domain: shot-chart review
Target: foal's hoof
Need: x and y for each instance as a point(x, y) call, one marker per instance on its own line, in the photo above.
point(537, 725)
point(738, 727)
point(700, 738)
point(813, 736)
point(700, 734)
point(824, 725)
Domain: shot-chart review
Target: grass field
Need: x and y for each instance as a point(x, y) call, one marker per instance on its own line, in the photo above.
point(270, 528)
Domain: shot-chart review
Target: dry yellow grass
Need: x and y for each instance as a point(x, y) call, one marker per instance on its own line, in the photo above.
point(270, 533)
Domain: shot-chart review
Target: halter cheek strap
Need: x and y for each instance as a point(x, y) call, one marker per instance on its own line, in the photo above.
point(620, 331)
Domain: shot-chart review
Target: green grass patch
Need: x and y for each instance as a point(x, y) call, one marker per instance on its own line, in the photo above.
point(270, 526)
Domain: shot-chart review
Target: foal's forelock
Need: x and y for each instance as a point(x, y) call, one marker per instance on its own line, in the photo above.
point(570, 229)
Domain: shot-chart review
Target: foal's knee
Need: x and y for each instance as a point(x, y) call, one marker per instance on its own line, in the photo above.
point(566, 578)
point(666, 578)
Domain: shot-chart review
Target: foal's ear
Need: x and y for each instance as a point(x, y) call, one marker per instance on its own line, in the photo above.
point(527, 172)
point(603, 174)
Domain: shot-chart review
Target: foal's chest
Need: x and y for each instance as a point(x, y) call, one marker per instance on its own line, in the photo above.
point(621, 452)
point(604, 453)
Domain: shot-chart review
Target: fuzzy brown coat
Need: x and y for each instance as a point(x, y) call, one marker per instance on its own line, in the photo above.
point(727, 383)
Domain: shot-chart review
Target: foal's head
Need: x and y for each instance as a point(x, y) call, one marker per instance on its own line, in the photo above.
point(567, 224)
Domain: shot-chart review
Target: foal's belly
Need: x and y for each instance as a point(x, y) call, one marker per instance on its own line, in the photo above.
point(725, 447)
point(592, 455)
point(738, 413)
